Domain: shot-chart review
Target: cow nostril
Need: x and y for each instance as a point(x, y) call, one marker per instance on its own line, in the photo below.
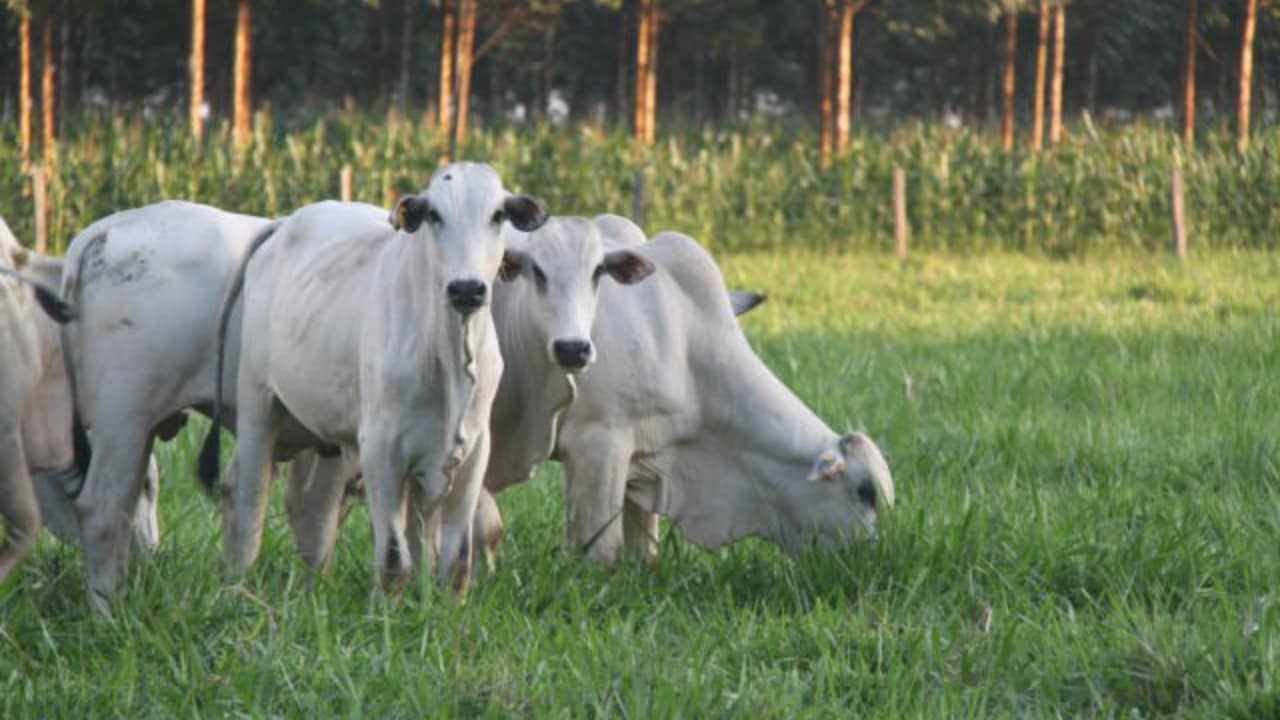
point(572, 353)
point(466, 294)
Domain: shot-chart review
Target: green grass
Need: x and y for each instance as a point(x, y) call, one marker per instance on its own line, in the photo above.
point(1089, 449)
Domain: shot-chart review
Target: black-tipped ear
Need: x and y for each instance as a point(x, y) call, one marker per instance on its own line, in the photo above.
point(627, 267)
point(524, 212)
point(513, 263)
point(409, 213)
point(744, 302)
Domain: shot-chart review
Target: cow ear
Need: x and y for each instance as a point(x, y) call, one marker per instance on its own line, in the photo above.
point(513, 263)
point(827, 466)
point(409, 213)
point(627, 267)
point(524, 212)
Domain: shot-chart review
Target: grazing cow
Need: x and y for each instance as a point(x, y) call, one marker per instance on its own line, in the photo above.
point(146, 284)
point(679, 417)
point(377, 340)
point(35, 410)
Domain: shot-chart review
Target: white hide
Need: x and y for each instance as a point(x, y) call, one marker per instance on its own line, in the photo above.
point(348, 330)
point(146, 284)
point(680, 417)
point(36, 469)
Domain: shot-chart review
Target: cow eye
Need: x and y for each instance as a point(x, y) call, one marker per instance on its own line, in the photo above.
point(539, 277)
point(434, 218)
point(498, 217)
point(599, 273)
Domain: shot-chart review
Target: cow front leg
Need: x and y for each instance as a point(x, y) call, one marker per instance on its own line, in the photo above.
point(595, 485)
point(245, 513)
point(640, 532)
point(314, 502)
point(386, 486)
point(457, 518)
point(17, 504)
point(488, 529)
point(107, 504)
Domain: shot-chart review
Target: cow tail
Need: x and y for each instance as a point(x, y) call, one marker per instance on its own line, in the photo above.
point(211, 451)
point(54, 306)
point(82, 451)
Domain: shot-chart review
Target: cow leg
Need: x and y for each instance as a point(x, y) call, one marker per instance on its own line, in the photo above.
point(386, 486)
point(107, 504)
point(640, 532)
point(314, 503)
point(488, 530)
point(146, 518)
point(244, 517)
point(595, 475)
point(457, 518)
point(17, 504)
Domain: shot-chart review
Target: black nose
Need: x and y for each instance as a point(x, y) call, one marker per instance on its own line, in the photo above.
point(466, 295)
point(572, 354)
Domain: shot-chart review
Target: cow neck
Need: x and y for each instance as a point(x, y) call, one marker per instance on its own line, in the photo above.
point(765, 443)
point(447, 345)
point(533, 392)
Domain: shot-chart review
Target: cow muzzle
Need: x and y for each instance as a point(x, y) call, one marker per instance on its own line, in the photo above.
point(573, 355)
point(467, 296)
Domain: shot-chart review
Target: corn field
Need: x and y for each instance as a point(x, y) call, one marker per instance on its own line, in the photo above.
point(760, 187)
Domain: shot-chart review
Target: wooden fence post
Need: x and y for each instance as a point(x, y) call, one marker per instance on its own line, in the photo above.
point(42, 209)
point(344, 184)
point(1179, 216)
point(901, 230)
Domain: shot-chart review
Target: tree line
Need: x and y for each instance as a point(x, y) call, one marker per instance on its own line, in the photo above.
point(832, 63)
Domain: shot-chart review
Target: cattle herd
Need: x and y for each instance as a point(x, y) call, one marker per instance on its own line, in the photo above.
point(431, 358)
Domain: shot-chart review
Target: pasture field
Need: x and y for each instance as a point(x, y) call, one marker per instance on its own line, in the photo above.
point(1087, 457)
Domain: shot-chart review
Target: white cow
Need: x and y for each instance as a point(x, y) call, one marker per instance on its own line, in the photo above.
point(378, 339)
point(36, 449)
point(679, 417)
point(543, 312)
point(146, 284)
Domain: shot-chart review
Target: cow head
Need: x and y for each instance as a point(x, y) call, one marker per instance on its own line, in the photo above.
point(856, 472)
point(458, 220)
point(564, 263)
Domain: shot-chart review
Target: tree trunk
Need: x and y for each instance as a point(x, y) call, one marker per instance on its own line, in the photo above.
point(1244, 98)
point(196, 66)
point(1042, 58)
point(47, 87)
point(406, 38)
point(1189, 79)
point(642, 71)
point(844, 74)
point(1059, 61)
point(240, 73)
point(1007, 83)
point(444, 102)
point(826, 61)
point(466, 43)
point(24, 86)
point(651, 82)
